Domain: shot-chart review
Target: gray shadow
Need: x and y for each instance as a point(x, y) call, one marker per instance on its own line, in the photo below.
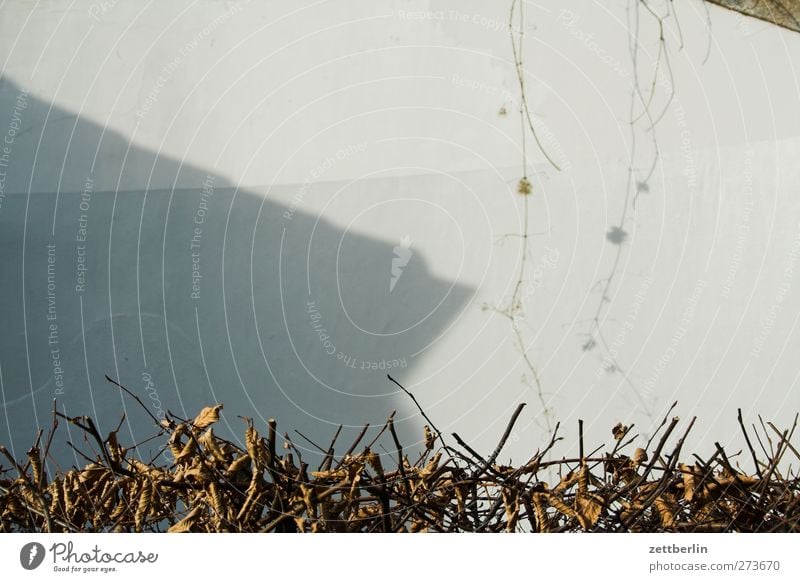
point(192, 295)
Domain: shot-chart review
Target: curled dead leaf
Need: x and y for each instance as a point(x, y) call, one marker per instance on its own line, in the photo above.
point(429, 438)
point(588, 509)
point(187, 452)
point(665, 512)
point(187, 522)
point(208, 416)
point(689, 482)
point(144, 503)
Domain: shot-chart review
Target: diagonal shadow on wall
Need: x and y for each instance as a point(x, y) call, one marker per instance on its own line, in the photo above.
point(192, 295)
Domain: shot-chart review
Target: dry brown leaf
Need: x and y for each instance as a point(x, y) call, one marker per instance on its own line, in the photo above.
point(108, 498)
point(255, 449)
point(175, 445)
point(567, 481)
point(511, 502)
point(56, 491)
point(688, 481)
point(374, 461)
point(583, 479)
point(541, 511)
point(67, 495)
point(429, 438)
point(665, 512)
point(187, 451)
point(91, 473)
point(238, 464)
point(431, 467)
point(619, 431)
point(557, 503)
point(187, 522)
point(208, 440)
point(588, 508)
point(145, 500)
point(325, 474)
point(35, 459)
point(208, 416)
point(198, 471)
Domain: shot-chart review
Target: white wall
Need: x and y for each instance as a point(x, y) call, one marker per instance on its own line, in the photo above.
point(333, 131)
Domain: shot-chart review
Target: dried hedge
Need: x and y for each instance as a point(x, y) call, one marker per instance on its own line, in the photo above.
point(213, 485)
